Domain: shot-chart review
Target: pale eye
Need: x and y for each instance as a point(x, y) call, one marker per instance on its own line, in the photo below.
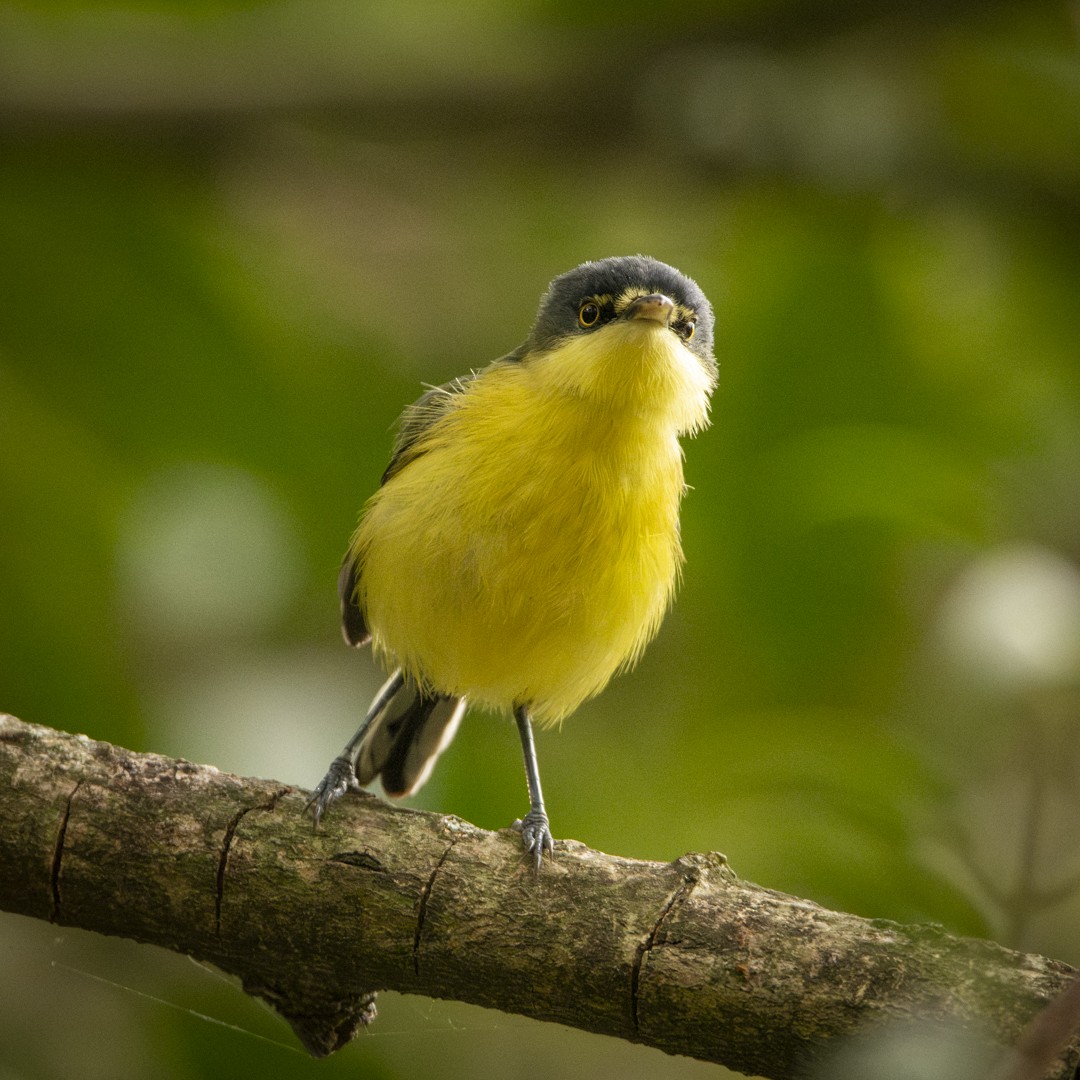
point(589, 314)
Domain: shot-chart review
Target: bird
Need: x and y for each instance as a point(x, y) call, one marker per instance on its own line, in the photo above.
point(523, 546)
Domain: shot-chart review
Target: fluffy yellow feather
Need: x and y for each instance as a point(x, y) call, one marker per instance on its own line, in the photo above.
point(531, 549)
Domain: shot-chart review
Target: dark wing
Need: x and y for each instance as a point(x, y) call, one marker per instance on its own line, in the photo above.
point(353, 627)
point(415, 421)
point(418, 418)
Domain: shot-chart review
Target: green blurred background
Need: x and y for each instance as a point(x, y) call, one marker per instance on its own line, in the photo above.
point(236, 238)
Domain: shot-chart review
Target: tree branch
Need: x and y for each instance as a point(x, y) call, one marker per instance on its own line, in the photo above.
point(682, 956)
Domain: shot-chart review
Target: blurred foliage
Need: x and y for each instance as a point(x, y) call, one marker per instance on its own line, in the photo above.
point(237, 238)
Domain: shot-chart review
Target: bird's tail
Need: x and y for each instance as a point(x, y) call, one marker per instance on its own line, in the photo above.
point(405, 738)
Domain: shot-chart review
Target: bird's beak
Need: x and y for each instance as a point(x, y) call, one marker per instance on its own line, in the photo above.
point(656, 307)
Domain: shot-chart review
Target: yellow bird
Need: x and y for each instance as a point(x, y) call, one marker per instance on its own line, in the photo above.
point(524, 545)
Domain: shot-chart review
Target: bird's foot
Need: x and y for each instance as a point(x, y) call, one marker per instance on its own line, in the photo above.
point(339, 778)
point(536, 835)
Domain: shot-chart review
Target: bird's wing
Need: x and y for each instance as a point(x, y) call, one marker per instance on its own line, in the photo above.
point(415, 421)
point(353, 625)
point(418, 418)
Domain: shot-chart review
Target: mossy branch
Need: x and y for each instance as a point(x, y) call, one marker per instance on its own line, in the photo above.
point(682, 956)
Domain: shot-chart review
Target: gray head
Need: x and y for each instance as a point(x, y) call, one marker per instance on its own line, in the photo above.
point(587, 298)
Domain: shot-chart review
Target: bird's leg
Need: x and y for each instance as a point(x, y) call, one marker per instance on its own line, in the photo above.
point(341, 776)
point(534, 828)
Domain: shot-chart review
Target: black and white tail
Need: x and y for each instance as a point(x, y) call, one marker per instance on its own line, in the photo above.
point(405, 737)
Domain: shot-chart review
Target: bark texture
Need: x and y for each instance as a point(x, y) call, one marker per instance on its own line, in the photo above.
point(681, 956)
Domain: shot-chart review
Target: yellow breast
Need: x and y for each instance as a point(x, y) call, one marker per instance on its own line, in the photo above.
point(532, 548)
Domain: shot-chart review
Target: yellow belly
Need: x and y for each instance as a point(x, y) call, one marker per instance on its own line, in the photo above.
point(530, 552)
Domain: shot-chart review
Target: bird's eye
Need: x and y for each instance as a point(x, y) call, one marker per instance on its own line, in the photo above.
point(589, 314)
point(688, 329)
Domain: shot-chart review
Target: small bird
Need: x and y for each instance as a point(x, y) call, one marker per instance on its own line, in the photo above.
point(523, 546)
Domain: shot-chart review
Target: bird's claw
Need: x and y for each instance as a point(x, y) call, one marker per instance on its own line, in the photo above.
point(339, 778)
point(536, 835)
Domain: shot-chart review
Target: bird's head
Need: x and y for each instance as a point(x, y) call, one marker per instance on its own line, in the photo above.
point(627, 331)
